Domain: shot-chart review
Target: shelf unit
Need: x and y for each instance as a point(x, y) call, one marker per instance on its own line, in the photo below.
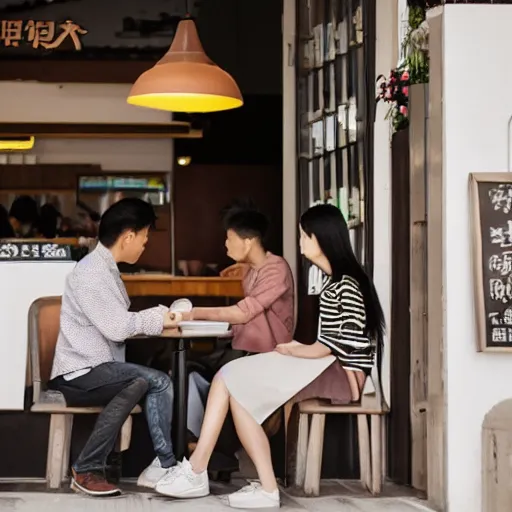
point(335, 109)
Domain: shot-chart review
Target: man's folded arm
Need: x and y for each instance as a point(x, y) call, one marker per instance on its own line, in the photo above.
point(108, 313)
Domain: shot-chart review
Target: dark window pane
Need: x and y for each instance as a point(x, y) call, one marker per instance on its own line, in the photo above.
point(339, 168)
point(304, 184)
point(327, 174)
point(316, 90)
point(317, 196)
point(338, 79)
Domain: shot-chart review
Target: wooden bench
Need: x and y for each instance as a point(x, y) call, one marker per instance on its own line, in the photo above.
point(43, 330)
point(371, 436)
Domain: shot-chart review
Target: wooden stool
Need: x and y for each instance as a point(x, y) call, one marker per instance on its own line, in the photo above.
point(371, 435)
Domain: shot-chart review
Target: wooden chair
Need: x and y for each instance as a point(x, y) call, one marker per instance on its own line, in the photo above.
point(308, 451)
point(43, 330)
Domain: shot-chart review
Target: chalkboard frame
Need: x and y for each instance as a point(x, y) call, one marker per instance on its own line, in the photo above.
point(476, 255)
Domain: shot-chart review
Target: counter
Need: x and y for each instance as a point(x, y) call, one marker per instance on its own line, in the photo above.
point(145, 285)
point(22, 283)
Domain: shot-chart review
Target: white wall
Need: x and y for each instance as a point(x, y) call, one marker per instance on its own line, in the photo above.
point(477, 41)
point(385, 60)
point(33, 102)
point(290, 177)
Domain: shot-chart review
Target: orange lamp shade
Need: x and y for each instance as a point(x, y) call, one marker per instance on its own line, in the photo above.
point(185, 79)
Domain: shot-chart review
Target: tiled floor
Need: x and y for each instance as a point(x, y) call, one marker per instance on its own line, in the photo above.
point(336, 496)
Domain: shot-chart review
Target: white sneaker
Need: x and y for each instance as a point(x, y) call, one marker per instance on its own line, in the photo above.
point(253, 496)
point(184, 483)
point(152, 474)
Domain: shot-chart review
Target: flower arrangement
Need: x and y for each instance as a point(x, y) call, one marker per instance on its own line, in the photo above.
point(395, 91)
point(414, 69)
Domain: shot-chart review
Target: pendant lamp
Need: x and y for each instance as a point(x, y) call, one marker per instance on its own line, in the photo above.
point(185, 79)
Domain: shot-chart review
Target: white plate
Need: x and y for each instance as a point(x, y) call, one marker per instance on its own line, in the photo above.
point(181, 306)
point(203, 325)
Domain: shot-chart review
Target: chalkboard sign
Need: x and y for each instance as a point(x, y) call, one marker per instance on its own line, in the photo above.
point(33, 251)
point(491, 212)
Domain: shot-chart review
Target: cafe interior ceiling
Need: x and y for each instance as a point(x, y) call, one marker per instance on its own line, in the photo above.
point(32, 4)
point(16, 5)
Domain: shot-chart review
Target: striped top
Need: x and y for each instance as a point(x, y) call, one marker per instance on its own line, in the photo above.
point(342, 324)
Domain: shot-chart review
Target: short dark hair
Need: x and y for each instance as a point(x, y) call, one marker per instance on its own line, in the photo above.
point(25, 210)
point(129, 214)
point(244, 218)
point(48, 220)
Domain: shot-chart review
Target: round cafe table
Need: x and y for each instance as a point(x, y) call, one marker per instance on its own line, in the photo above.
point(180, 346)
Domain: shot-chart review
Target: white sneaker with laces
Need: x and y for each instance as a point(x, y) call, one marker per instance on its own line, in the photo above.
point(152, 474)
point(253, 496)
point(184, 483)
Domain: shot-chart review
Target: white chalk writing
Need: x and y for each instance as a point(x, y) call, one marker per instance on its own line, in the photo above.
point(499, 334)
point(501, 197)
point(33, 251)
point(502, 235)
point(501, 263)
point(500, 290)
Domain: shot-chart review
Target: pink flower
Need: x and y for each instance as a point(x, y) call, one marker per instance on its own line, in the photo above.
point(403, 110)
point(405, 75)
point(389, 93)
point(405, 91)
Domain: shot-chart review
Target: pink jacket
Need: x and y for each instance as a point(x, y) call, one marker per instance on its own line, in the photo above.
point(265, 317)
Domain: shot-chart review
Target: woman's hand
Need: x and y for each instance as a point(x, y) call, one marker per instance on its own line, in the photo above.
point(287, 348)
point(314, 351)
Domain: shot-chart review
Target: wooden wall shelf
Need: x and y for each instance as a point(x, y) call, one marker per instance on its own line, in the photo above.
point(172, 130)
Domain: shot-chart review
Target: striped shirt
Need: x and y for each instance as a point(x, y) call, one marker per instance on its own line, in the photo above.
point(342, 324)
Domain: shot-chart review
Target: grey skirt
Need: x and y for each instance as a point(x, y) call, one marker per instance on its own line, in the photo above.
point(264, 382)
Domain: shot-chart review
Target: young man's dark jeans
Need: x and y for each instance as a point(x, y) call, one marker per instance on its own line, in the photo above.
point(119, 387)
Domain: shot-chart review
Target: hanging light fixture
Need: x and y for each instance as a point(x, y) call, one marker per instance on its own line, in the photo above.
point(16, 143)
point(184, 160)
point(185, 79)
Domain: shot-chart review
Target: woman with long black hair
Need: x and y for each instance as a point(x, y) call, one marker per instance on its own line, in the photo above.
point(351, 327)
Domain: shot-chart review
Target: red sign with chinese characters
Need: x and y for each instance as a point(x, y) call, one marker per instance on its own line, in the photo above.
point(47, 35)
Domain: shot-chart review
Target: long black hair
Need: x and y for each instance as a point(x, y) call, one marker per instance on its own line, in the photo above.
point(326, 222)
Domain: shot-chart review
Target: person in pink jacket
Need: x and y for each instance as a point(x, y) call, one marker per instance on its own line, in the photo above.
point(263, 319)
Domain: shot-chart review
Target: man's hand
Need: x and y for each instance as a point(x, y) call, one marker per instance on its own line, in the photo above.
point(287, 348)
point(171, 320)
